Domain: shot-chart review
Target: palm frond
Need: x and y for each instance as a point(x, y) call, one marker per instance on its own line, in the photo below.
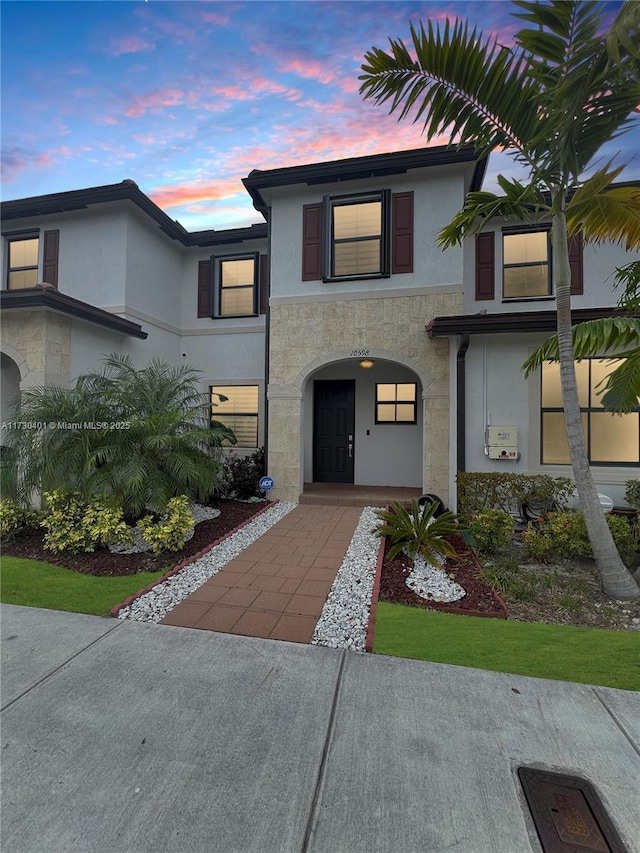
point(461, 84)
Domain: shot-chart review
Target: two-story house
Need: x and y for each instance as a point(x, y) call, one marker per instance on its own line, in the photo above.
point(344, 339)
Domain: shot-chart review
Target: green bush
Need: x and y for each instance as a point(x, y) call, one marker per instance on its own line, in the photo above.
point(13, 518)
point(75, 526)
point(418, 531)
point(632, 493)
point(492, 530)
point(171, 531)
point(479, 491)
point(564, 535)
point(242, 475)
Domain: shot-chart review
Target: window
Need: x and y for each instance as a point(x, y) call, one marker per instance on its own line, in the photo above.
point(23, 262)
point(610, 439)
point(348, 237)
point(236, 286)
point(527, 268)
point(396, 403)
point(239, 411)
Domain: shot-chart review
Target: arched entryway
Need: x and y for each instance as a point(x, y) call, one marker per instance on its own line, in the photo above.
point(10, 387)
point(363, 425)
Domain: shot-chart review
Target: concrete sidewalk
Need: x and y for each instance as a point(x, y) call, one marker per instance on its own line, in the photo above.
point(128, 737)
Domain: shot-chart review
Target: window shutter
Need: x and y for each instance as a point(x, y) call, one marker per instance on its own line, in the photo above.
point(312, 242)
point(263, 296)
point(204, 289)
point(575, 262)
point(402, 233)
point(485, 265)
point(50, 260)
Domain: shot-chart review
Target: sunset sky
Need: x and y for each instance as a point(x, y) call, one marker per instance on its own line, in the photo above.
point(186, 98)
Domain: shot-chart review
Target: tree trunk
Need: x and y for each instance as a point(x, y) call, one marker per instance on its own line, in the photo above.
point(616, 580)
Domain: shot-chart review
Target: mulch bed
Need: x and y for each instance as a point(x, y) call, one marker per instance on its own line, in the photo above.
point(480, 599)
point(103, 563)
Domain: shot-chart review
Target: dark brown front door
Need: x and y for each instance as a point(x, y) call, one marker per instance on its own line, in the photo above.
point(333, 430)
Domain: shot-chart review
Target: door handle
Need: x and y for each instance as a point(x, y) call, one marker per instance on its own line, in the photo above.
point(350, 450)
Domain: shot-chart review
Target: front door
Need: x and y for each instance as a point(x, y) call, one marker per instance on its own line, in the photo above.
point(333, 430)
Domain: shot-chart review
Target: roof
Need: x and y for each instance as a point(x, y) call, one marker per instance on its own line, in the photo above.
point(46, 296)
point(127, 190)
point(522, 321)
point(354, 168)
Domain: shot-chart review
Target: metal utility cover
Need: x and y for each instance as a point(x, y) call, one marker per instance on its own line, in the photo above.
point(568, 814)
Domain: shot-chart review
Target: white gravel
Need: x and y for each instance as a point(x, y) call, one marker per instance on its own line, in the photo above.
point(431, 583)
point(155, 604)
point(345, 617)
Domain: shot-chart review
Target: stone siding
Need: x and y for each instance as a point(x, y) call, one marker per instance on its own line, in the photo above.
point(307, 335)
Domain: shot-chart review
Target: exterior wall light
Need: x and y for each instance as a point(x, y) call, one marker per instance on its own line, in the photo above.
point(366, 362)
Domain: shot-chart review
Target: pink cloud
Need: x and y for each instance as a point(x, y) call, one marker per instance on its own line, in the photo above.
point(189, 192)
point(309, 69)
point(16, 159)
point(154, 101)
point(129, 44)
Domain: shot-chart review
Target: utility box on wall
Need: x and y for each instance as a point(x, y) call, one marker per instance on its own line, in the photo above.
point(502, 443)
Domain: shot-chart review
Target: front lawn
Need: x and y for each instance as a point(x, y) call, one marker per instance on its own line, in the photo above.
point(35, 584)
point(587, 655)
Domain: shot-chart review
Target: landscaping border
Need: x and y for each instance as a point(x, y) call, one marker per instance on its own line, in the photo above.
point(440, 608)
point(368, 645)
point(115, 610)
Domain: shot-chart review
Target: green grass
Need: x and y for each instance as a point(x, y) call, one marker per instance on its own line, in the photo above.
point(587, 655)
point(36, 584)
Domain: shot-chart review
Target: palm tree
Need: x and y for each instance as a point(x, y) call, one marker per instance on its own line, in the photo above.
point(143, 436)
point(552, 101)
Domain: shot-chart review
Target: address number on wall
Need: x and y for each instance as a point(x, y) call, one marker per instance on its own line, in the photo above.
point(359, 353)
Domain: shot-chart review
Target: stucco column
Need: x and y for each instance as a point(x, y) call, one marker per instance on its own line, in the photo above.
point(285, 450)
point(435, 408)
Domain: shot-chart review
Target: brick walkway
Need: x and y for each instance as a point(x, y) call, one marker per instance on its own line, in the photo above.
point(278, 586)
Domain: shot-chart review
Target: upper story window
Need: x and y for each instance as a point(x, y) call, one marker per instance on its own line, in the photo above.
point(527, 267)
point(233, 285)
point(22, 264)
point(23, 254)
point(237, 286)
point(610, 439)
point(526, 264)
point(359, 236)
point(369, 235)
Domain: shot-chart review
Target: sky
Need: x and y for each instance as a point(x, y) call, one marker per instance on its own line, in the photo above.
point(186, 98)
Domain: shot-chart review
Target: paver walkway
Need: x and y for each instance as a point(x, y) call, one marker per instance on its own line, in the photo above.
point(276, 588)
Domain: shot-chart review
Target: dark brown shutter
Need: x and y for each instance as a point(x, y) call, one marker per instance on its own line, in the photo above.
point(312, 242)
point(402, 232)
point(263, 295)
point(485, 265)
point(50, 262)
point(204, 289)
point(575, 262)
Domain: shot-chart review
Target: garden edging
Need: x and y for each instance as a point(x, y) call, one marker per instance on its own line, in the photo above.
point(115, 610)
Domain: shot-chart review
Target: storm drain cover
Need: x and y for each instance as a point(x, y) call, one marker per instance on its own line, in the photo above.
point(568, 814)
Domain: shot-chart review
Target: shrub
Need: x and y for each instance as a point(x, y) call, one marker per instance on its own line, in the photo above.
point(171, 531)
point(143, 436)
point(479, 491)
point(632, 493)
point(13, 518)
point(242, 475)
point(492, 530)
point(76, 526)
point(564, 535)
point(418, 531)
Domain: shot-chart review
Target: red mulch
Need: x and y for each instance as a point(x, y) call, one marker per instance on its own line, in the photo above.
point(480, 599)
point(103, 563)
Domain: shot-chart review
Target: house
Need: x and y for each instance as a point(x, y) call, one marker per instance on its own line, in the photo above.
point(342, 337)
